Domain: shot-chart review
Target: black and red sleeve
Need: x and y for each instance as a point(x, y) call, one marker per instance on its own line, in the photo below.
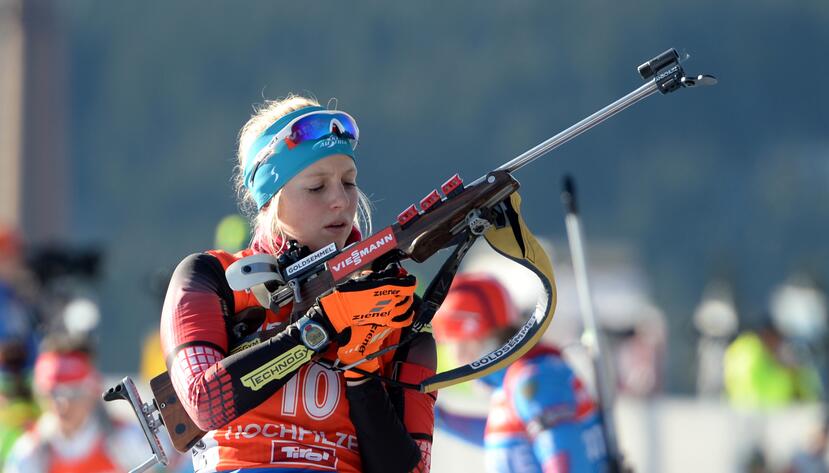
point(195, 342)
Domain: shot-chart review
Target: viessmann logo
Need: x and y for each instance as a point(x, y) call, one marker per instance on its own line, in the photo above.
point(362, 253)
point(286, 452)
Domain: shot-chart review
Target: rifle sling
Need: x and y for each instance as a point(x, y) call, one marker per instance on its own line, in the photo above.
point(435, 294)
point(517, 243)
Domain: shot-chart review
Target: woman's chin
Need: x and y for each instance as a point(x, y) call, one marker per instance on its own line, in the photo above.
point(335, 235)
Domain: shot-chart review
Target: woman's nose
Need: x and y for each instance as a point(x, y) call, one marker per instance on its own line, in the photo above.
point(340, 198)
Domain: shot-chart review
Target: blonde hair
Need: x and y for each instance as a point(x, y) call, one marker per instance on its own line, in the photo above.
point(265, 227)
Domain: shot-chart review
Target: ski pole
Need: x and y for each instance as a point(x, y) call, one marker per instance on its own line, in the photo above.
point(592, 338)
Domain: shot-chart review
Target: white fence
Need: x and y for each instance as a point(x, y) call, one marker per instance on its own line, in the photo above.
point(677, 435)
point(659, 435)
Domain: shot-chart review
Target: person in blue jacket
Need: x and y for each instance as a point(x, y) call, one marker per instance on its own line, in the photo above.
point(541, 417)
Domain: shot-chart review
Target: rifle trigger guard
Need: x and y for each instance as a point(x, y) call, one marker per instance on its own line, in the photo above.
point(476, 223)
point(295, 287)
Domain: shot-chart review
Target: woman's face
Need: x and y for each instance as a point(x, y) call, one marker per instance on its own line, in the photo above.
point(317, 206)
point(71, 405)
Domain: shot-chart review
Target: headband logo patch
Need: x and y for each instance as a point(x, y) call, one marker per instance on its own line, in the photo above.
point(329, 142)
point(275, 175)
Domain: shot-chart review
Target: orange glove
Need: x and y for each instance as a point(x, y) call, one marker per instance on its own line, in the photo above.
point(364, 340)
point(374, 298)
point(364, 311)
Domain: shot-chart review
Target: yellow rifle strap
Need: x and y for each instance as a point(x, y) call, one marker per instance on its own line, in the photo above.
point(516, 242)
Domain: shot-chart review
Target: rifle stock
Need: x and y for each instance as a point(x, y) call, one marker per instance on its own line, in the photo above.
point(435, 229)
point(182, 430)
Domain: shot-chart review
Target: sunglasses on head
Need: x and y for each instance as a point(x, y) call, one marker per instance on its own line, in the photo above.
point(70, 393)
point(311, 126)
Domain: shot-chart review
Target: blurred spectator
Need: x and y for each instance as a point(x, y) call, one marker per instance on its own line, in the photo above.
point(18, 410)
point(799, 308)
point(761, 370)
point(716, 321)
point(812, 458)
point(74, 434)
point(639, 358)
point(541, 417)
point(17, 290)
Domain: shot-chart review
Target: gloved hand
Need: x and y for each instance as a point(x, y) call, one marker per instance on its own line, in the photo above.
point(381, 298)
point(361, 312)
point(364, 340)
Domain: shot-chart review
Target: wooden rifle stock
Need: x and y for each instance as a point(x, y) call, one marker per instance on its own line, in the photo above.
point(182, 430)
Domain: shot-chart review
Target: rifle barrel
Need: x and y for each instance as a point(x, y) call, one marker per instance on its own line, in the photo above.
point(541, 149)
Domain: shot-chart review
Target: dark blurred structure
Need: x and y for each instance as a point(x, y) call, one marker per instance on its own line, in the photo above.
point(67, 277)
point(756, 462)
point(53, 262)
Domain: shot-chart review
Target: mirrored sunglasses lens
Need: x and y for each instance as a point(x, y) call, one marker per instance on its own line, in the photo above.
point(315, 127)
point(345, 127)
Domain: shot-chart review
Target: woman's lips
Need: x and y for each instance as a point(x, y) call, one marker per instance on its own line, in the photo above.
point(335, 226)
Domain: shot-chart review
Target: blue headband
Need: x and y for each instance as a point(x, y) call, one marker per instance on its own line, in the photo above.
point(275, 170)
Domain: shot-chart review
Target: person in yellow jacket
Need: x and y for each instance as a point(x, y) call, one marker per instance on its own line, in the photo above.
point(761, 371)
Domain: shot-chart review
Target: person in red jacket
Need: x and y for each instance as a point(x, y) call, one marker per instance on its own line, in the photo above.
point(270, 406)
point(541, 417)
point(74, 434)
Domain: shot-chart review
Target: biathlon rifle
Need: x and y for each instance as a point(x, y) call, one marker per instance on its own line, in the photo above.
point(486, 206)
